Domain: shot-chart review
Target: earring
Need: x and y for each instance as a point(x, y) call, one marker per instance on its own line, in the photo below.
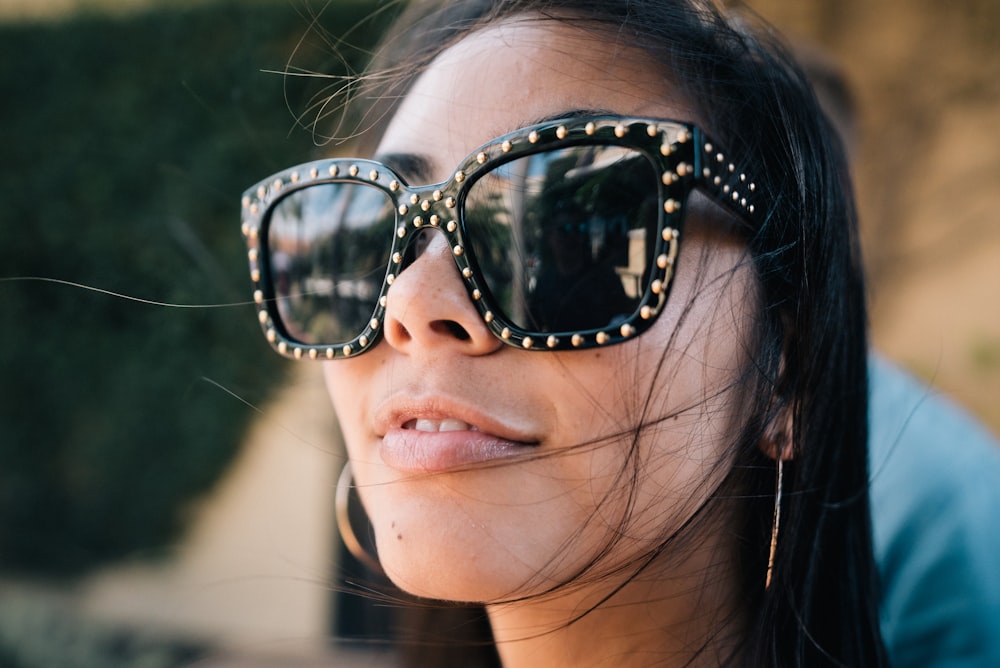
point(774, 527)
point(342, 502)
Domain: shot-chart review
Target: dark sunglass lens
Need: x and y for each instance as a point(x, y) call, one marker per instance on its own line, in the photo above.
point(327, 251)
point(565, 238)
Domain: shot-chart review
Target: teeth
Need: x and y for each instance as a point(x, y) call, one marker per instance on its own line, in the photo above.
point(442, 425)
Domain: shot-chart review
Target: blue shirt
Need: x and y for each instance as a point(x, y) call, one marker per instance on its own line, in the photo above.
point(935, 498)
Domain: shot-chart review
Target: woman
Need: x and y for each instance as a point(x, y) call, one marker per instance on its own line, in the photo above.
point(605, 377)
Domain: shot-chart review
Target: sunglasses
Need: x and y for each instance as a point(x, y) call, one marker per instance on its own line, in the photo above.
point(565, 234)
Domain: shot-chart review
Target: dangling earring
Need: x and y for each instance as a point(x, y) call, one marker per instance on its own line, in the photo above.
point(342, 503)
point(774, 527)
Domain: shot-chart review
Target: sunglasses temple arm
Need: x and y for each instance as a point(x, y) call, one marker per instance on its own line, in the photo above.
point(724, 181)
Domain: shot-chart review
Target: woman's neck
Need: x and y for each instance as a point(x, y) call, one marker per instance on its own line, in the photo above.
point(686, 615)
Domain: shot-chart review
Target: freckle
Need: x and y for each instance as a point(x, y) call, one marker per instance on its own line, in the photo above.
point(393, 524)
point(399, 536)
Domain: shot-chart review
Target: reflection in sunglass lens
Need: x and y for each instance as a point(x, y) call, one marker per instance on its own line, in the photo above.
point(565, 238)
point(327, 249)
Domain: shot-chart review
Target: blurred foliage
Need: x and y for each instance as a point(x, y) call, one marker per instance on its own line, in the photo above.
point(126, 142)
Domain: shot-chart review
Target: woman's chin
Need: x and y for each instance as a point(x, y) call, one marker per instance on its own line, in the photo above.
point(448, 552)
point(449, 574)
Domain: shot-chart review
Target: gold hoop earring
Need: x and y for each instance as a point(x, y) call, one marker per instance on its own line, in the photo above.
point(774, 526)
point(342, 502)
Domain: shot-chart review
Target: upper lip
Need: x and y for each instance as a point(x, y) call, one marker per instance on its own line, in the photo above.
point(395, 411)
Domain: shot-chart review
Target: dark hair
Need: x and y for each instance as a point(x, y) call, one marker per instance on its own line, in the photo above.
point(810, 346)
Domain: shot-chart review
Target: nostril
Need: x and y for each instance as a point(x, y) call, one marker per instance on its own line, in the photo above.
point(451, 328)
point(396, 331)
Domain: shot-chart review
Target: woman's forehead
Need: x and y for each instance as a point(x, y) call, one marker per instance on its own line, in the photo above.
point(511, 74)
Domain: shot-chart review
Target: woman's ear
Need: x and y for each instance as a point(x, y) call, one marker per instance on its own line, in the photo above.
point(776, 442)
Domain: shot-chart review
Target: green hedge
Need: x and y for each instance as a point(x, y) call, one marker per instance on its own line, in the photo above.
point(125, 144)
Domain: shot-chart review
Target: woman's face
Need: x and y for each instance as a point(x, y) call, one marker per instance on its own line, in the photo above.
point(490, 472)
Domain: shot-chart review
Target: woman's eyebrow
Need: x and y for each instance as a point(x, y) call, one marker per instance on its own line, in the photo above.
point(565, 114)
point(570, 113)
point(415, 168)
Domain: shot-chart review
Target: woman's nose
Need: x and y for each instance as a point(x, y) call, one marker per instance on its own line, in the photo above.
point(428, 308)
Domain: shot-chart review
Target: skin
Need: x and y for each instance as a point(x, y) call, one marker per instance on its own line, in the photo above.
point(512, 529)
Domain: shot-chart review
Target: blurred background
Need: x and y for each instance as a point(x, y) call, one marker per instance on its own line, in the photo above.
point(166, 481)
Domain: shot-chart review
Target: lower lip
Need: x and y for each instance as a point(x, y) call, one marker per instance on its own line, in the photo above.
point(425, 451)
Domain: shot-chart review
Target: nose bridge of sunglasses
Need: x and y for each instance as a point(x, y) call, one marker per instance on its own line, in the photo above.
point(428, 221)
point(421, 211)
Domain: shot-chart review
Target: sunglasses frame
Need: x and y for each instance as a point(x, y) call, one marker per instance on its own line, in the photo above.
point(682, 154)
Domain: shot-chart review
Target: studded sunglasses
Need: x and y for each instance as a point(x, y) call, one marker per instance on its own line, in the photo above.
point(565, 234)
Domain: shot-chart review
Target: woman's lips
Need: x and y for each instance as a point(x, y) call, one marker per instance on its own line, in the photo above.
point(450, 447)
point(428, 436)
